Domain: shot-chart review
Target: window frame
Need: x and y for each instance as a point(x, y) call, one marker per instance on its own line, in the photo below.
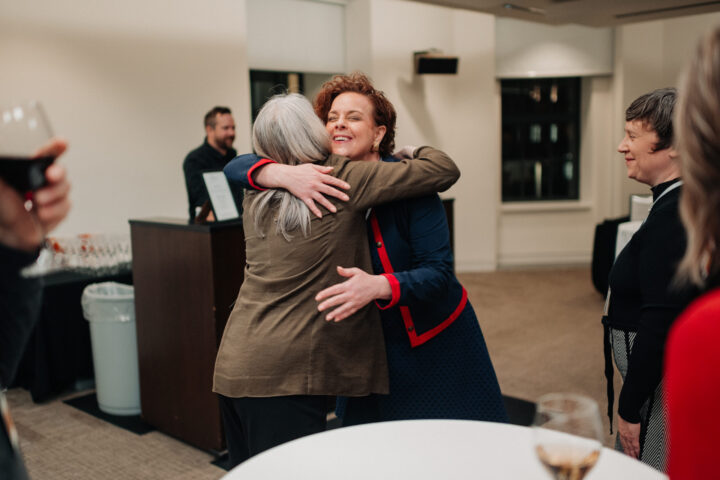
point(519, 119)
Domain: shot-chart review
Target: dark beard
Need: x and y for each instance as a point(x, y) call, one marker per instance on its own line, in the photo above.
point(228, 143)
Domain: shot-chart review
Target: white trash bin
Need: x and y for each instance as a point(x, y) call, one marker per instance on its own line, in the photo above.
point(110, 309)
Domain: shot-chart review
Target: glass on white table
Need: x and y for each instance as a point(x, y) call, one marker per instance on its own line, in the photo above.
point(567, 434)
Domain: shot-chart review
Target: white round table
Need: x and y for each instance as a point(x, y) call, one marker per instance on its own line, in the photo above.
point(419, 450)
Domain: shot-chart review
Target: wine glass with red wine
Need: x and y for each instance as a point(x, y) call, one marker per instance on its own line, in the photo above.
point(24, 128)
point(567, 433)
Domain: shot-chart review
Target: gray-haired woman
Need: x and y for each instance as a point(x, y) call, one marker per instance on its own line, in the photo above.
point(279, 358)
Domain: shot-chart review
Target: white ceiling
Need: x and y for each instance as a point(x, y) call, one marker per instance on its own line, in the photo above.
point(595, 13)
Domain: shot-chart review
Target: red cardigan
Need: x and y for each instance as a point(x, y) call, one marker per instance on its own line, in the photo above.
point(692, 385)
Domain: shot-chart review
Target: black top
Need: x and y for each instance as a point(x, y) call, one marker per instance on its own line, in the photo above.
point(712, 282)
point(20, 301)
point(643, 298)
point(198, 161)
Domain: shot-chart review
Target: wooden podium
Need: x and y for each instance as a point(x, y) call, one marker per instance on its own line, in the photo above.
point(186, 280)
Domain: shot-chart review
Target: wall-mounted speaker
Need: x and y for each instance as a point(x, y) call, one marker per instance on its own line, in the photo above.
point(431, 62)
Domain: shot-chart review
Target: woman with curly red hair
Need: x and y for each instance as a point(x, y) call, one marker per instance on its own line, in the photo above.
point(383, 113)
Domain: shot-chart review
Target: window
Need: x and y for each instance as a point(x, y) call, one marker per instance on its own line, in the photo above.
point(264, 84)
point(540, 139)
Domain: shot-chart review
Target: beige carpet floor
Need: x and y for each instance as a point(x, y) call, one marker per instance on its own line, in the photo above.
point(542, 328)
point(543, 332)
point(60, 442)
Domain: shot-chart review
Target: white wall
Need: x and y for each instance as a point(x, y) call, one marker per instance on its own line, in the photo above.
point(529, 49)
point(128, 84)
point(456, 113)
point(296, 36)
point(648, 55)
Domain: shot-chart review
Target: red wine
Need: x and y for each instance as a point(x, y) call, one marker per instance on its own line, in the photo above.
point(564, 466)
point(24, 174)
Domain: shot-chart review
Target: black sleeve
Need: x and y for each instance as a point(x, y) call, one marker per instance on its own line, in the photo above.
point(238, 193)
point(20, 301)
point(663, 246)
point(193, 167)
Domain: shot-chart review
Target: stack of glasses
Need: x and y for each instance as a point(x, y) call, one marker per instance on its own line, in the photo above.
point(97, 255)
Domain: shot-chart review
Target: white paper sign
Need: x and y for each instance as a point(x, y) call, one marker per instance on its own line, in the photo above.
point(223, 202)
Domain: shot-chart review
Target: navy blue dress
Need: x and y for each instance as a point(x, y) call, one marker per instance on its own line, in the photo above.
point(439, 366)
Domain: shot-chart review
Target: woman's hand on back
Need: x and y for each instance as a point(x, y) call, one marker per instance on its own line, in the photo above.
point(309, 182)
point(351, 295)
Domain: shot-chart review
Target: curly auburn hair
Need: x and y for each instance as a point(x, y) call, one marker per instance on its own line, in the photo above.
point(359, 82)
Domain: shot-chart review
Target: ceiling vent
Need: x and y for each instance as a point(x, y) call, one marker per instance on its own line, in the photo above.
point(433, 61)
point(520, 8)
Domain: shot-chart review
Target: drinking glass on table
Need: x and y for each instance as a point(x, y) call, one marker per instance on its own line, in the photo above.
point(24, 128)
point(567, 434)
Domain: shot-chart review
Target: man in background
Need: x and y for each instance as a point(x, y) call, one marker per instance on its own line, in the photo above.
point(23, 227)
point(215, 152)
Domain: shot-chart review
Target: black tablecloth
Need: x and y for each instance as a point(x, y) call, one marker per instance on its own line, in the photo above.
point(603, 255)
point(59, 353)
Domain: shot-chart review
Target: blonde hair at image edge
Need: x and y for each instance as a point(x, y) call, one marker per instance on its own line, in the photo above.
point(288, 131)
point(698, 126)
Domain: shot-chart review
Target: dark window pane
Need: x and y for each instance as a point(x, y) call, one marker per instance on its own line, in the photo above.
point(264, 84)
point(540, 139)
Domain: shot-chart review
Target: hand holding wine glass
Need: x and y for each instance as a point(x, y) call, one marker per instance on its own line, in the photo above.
point(24, 130)
point(567, 433)
point(33, 190)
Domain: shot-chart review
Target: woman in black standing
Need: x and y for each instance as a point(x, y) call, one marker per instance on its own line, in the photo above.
point(642, 300)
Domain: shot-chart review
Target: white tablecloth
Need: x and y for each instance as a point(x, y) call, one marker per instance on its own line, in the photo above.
point(640, 207)
point(625, 232)
point(419, 450)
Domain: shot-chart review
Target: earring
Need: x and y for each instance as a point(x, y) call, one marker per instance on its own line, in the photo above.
point(375, 148)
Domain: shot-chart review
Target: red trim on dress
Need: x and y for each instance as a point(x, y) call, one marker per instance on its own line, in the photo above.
point(420, 339)
point(260, 163)
point(395, 288)
point(380, 245)
point(415, 339)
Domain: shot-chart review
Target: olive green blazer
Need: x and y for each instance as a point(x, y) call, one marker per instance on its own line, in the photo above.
point(275, 341)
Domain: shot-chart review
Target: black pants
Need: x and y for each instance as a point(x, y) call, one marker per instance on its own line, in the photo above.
point(253, 425)
point(361, 410)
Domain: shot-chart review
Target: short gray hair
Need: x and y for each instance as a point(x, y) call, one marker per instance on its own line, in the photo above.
point(655, 110)
point(288, 131)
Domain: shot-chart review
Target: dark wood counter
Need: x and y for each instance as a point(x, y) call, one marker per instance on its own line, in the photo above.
point(186, 280)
